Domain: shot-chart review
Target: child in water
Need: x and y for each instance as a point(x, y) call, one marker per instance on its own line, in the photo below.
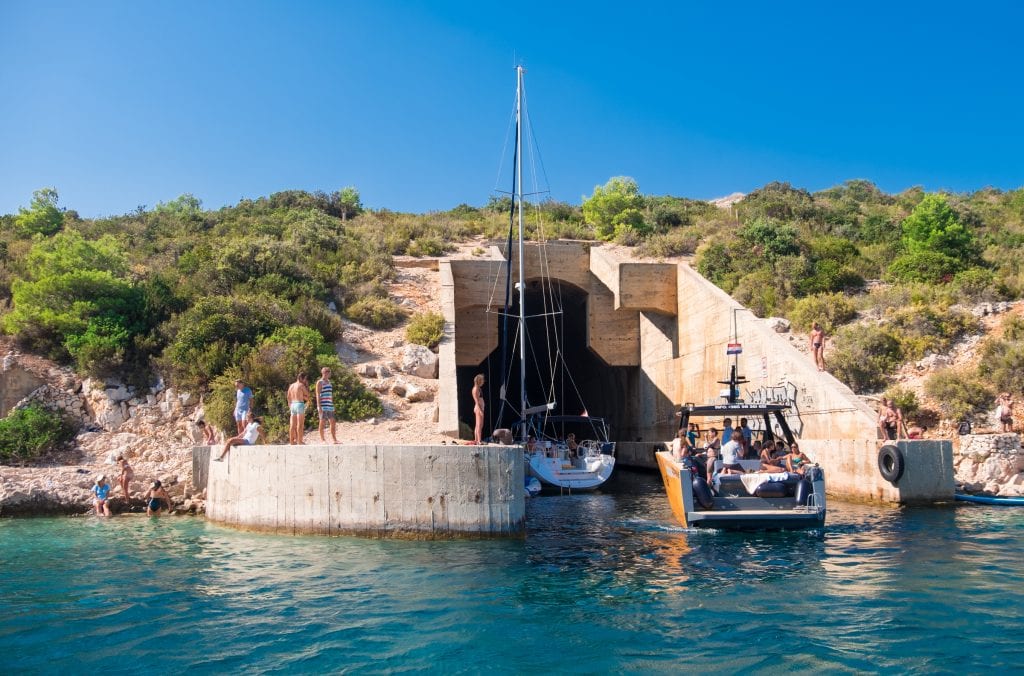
point(100, 491)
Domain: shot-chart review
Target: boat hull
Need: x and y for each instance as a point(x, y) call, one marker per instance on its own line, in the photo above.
point(583, 474)
point(738, 513)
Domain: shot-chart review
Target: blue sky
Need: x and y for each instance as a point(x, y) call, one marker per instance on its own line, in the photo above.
point(121, 104)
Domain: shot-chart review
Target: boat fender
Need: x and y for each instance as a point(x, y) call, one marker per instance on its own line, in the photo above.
point(702, 493)
point(771, 489)
point(890, 463)
point(803, 491)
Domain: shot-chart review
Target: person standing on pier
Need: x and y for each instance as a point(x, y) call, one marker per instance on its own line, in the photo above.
point(325, 403)
point(243, 404)
point(478, 408)
point(298, 396)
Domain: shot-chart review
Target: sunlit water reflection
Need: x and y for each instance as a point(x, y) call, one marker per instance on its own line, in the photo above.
point(604, 582)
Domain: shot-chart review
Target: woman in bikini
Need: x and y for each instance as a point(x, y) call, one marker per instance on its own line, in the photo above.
point(796, 461)
point(125, 477)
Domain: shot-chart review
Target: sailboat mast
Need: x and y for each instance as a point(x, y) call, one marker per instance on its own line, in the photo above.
point(522, 282)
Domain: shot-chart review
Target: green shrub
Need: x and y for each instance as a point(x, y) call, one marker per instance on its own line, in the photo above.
point(320, 318)
point(977, 285)
point(217, 332)
point(375, 312)
point(864, 357)
point(923, 266)
point(1013, 328)
point(759, 292)
point(77, 310)
point(905, 400)
point(828, 309)
point(1002, 364)
point(922, 329)
point(959, 395)
point(714, 262)
point(426, 328)
point(31, 431)
point(676, 242)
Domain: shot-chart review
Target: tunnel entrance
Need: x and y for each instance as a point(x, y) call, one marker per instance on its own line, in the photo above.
point(583, 383)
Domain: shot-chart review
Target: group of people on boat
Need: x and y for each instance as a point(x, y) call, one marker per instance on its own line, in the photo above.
point(156, 497)
point(733, 445)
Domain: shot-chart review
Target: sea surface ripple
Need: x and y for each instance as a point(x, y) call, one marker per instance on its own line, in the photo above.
point(603, 582)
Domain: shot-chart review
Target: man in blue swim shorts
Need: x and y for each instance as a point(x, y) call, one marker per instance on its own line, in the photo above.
point(298, 395)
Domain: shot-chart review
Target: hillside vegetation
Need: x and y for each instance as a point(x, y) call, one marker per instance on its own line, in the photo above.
point(248, 291)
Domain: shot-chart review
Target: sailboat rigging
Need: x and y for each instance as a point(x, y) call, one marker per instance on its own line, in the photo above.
point(553, 454)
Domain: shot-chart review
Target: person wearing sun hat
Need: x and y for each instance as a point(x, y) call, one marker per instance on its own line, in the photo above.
point(100, 491)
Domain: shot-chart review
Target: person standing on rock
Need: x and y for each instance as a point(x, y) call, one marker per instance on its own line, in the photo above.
point(209, 435)
point(1004, 409)
point(253, 432)
point(125, 477)
point(890, 419)
point(325, 403)
point(100, 491)
point(478, 408)
point(156, 498)
point(818, 345)
point(243, 404)
point(298, 397)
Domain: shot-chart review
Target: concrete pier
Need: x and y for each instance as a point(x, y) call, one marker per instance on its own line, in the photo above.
point(416, 492)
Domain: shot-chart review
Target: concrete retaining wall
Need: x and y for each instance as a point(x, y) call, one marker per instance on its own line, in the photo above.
point(200, 466)
point(851, 470)
point(380, 491)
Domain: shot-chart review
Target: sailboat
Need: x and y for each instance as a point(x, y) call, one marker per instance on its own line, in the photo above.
point(566, 451)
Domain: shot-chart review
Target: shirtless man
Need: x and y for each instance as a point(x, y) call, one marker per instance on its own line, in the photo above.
point(818, 345)
point(889, 420)
point(298, 395)
point(478, 408)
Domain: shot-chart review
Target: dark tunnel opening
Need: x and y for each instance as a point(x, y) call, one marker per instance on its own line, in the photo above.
point(584, 383)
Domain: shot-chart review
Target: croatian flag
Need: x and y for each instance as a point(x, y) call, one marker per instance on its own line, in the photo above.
point(733, 348)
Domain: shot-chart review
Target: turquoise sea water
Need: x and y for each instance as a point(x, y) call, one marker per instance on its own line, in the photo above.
point(604, 582)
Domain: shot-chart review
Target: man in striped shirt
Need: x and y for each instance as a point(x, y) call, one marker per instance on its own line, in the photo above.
point(325, 402)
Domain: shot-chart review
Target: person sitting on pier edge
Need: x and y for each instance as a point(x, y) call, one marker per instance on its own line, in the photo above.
point(731, 451)
point(253, 433)
point(797, 461)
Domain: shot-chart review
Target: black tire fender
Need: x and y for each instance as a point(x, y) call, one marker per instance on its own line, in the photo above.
point(702, 493)
point(891, 463)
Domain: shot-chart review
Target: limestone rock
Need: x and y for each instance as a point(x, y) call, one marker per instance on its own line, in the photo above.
point(419, 361)
point(778, 324)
